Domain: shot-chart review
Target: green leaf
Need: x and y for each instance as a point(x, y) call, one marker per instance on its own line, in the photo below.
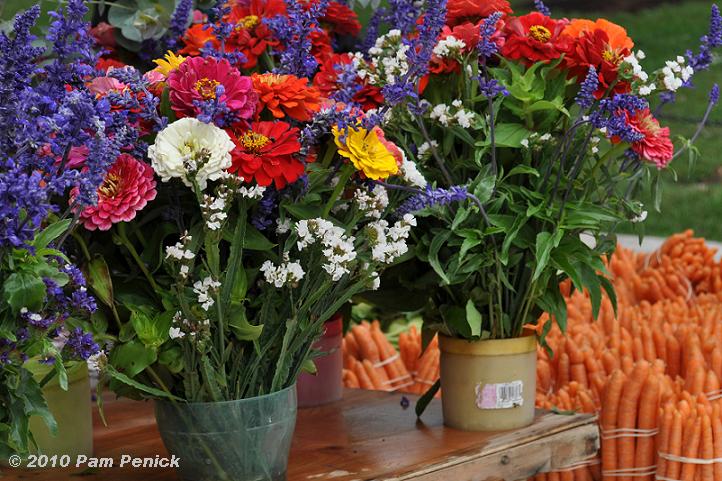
point(256, 241)
point(523, 169)
point(132, 358)
point(50, 233)
point(152, 331)
point(485, 188)
point(593, 285)
point(436, 245)
point(473, 318)
point(545, 242)
point(507, 135)
point(426, 399)
point(238, 322)
point(24, 289)
point(303, 212)
point(119, 376)
point(100, 280)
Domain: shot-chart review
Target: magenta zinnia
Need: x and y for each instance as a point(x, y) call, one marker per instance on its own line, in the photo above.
point(198, 79)
point(127, 188)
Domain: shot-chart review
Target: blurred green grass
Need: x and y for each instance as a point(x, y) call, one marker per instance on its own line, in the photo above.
point(695, 200)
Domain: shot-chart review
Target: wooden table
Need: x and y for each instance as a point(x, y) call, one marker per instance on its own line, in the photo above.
point(367, 436)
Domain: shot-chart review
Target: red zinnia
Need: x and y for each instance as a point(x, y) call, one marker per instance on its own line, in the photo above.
point(341, 19)
point(198, 78)
point(287, 95)
point(128, 186)
point(251, 35)
point(533, 38)
point(326, 79)
point(266, 153)
point(656, 146)
point(601, 44)
point(196, 37)
point(460, 11)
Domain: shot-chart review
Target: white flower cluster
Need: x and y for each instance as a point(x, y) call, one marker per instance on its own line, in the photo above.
point(180, 252)
point(389, 243)
point(190, 149)
point(214, 209)
point(287, 273)
point(641, 76)
point(455, 114)
point(181, 326)
point(255, 192)
point(425, 150)
point(535, 140)
point(338, 248)
point(283, 226)
point(204, 290)
point(372, 203)
point(388, 60)
point(676, 73)
point(410, 173)
point(449, 47)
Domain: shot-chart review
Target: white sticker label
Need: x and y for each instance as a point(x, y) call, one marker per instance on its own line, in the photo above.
point(500, 396)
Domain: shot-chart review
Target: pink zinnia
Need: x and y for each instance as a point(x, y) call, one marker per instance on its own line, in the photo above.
point(656, 146)
point(128, 186)
point(198, 78)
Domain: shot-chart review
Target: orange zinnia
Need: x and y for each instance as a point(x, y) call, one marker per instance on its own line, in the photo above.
point(618, 38)
point(287, 95)
point(196, 37)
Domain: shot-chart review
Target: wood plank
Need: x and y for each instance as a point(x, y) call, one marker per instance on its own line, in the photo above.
point(367, 436)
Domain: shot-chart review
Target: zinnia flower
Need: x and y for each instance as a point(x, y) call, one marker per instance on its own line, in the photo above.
point(460, 11)
point(341, 19)
point(266, 153)
point(196, 38)
point(287, 95)
point(127, 188)
point(251, 35)
point(602, 45)
point(190, 149)
point(533, 38)
point(197, 80)
point(366, 151)
point(327, 81)
point(656, 146)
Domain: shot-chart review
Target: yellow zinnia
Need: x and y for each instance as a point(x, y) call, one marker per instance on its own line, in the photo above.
point(366, 152)
point(169, 63)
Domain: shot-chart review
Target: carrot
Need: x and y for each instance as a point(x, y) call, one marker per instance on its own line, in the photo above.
point(350, 379)
point(717, 440)
point(544, 375)
point(675, 446)
point(351, 346)
point(373, 375)
point(673, 356)
point(563, 370)
point(363, 377)
point(707, 448)
point(610, 407)
point(627, 416)
point(567, 476)
point(578, 373)
point(667, 417)
point(647, 419)
point(367, 347)
point(691, 447)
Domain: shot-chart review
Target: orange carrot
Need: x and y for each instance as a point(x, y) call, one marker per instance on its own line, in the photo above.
point(627, 416)
point(707, 448)
point(675, 446)
point(363, 378)
point(367, 347)
point(610, 407)
point(647, 419)
point(373, 375)
point(691, 448)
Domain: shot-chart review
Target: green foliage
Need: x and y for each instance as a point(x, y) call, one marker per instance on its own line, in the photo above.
point(140, 20)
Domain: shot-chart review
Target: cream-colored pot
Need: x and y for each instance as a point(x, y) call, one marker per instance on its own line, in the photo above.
point(488, 385)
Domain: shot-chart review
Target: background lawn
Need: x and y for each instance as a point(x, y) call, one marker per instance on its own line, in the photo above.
point(695, 199)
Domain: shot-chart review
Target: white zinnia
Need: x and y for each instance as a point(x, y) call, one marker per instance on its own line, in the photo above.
point(187, 146)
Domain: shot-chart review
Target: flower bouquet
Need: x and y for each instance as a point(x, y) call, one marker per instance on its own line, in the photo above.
point(55, 143)
point(532, 131)
point(267, 201)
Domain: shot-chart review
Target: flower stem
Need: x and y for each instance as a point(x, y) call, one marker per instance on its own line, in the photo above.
point(346, 173)
point(123, 237)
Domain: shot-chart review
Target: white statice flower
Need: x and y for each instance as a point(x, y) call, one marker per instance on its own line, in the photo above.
point(524, 143)
point(179, 252)
point(283, 226)
point(464, 118)
point(97, 362)
point(204, 290)
point(375, 281)
point(442, 113)
point(676, 73)
point(184, 271)
point(189, 148)
point(425, 150)
point(288, 273)
point(450, 46)
point(255, 192)
point(176, 333)
point(372, 203)
point(388, 243)
point(388, 60)
point(214, 210)
point(337, 248)
point(410, 173)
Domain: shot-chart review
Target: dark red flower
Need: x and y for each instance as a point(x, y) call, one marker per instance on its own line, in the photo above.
point(326, 79)
point(460, 11)
point(266, 153)
point(341, 20)
point(105, 63)
point(251, 35)
point(533, 38)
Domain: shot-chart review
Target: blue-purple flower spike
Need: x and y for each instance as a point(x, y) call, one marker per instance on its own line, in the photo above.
point(585, 97)
point(432, 197)
point(541, 8)
point(487, 47)
point(178, 23)
point(714, 95)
